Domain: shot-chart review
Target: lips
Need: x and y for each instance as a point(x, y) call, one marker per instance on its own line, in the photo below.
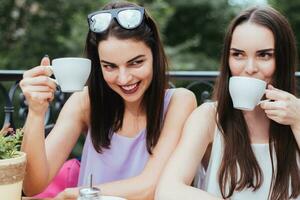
point(130, 89)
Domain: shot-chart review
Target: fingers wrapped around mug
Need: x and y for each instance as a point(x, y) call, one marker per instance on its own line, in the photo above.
point(284, 108)
point(38, 89)
point(37, 86)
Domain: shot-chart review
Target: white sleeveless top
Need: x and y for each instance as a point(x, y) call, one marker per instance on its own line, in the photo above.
point(208, 181)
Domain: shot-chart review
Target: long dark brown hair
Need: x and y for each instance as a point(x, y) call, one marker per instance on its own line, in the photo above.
point(238, 154)
point(106, 106)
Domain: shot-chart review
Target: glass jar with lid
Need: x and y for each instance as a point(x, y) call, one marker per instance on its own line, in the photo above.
point(90, 193)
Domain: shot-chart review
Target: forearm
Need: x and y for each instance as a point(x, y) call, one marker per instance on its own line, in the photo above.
point(33, 145)
point(136, 188)
point(176, 191)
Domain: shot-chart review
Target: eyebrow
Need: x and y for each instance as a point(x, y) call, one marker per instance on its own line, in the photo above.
point(139, 56)
point(259, 51)
point(265, 50)
point(110, 63)
point(238, 50)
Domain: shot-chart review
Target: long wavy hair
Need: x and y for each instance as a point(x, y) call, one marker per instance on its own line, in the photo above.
point(233, 126)
point(106, 106)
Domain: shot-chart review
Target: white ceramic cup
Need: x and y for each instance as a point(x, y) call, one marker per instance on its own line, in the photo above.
point(246, 92)
point(71, 73)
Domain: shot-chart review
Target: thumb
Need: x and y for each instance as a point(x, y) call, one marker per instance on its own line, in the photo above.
point(270, 86)
point(45, 61)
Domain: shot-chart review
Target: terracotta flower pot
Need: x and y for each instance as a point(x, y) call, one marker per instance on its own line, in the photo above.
point(12, 173)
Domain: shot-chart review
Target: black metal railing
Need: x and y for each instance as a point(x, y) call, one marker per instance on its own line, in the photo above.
point(15, 106)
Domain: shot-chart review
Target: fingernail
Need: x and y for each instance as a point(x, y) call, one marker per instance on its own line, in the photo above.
point(46, 56)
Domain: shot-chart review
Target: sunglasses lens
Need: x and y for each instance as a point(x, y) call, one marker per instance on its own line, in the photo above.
point(100, 22)
point(130, 19)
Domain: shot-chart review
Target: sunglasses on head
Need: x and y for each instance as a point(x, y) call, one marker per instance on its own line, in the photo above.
point(128, 18)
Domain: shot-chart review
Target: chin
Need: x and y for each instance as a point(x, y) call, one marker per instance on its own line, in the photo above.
point(132, 99)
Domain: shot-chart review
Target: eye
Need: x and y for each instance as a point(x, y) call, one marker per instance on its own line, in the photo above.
point(109, 67)
point(136, 63)
point(237, 55)
point(265, 55)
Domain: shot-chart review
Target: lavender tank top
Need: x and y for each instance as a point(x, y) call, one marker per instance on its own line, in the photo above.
point(126, 157)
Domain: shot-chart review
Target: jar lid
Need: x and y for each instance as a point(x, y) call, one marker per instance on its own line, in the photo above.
point(89, 192)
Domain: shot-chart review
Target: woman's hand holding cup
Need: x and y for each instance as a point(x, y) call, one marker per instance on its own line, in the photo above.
point(284, 107)
point(38, 88)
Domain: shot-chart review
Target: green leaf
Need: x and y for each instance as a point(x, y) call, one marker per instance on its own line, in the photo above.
point(10, 144)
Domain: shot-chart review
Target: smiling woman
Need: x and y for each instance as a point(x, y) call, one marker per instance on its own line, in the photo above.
point(129, 74)
point(133, 122)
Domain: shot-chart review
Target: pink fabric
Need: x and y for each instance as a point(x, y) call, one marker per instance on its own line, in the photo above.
point(67, 177)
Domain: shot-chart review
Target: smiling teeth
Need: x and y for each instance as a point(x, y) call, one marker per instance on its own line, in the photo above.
point(129, 87)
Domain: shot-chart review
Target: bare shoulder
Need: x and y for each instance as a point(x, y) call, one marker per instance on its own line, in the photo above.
point(182, 95)
point(183, 92)
point(203, 118)
point(207, 112)
point(181, 105)
point(207, 108)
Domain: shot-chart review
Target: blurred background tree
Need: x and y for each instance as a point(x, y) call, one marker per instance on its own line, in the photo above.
point(192, 31)
point(32, 28)
point(291, 9)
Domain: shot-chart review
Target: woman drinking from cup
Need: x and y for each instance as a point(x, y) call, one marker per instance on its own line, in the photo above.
point(133, 122)
point(254, 153)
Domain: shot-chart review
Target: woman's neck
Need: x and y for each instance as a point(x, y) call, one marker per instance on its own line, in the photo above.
point(258, 124)
point(134, 120)
point(134, 108)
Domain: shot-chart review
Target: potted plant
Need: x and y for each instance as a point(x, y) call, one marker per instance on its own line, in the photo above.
point(12, 164)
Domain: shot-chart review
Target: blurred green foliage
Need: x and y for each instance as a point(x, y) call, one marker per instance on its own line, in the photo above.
point(32, 28)
point(10, 143)
point(291, 9)
point(192, 31)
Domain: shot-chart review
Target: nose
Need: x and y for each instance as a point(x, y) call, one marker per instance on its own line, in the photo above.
point(124, 76)
point(251, 66)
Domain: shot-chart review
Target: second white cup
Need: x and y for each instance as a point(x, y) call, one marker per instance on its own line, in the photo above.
point(246, 92)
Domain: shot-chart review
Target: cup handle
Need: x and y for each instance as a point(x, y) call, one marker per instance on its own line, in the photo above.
point(50, 66)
